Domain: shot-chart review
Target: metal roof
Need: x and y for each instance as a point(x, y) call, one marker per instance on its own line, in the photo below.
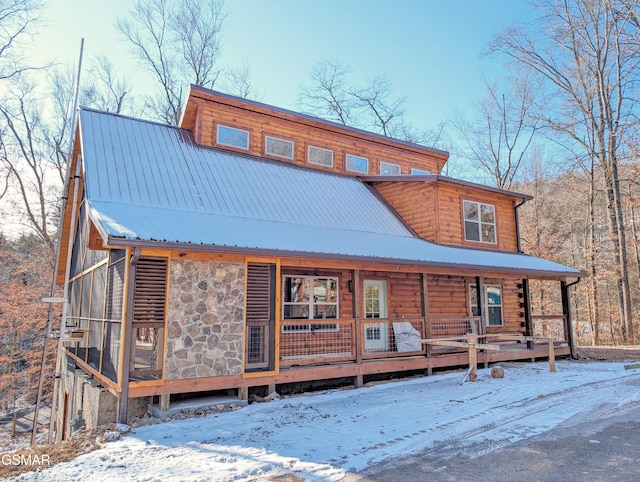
point(147, 182)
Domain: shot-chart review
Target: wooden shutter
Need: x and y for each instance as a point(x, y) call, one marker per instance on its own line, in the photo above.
point(260, 317)
point(259, 292)
point(150, 290)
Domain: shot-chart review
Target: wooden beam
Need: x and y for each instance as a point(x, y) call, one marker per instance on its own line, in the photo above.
point(462, 344)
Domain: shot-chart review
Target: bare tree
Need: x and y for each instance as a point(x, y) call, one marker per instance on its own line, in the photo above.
point(106, 89)
point(500, 134)
point(32, 177)
point(178, 42)
point(379, 109)
point(587, 54)
point(328, 96)
point(237, 81)
point(17, 19)
point(331, 95)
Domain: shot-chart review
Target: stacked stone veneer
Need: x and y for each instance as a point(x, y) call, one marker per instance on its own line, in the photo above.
point(205, 319)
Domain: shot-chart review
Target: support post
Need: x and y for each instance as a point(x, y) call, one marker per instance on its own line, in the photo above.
point(165, 401)
point(357, 313)
point(552, 357)
point(126, 345)
point(424, 296)
point(566, 311)
point(482, 329)
point(473, 358)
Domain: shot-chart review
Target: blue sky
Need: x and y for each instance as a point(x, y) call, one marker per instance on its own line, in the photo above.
point(430, 50)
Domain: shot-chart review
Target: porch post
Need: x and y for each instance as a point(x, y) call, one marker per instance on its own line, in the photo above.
point(424, 293)
point(357, 314)
point(566, 311)
point(126, 345)
point(526, 301)
point(483, 322)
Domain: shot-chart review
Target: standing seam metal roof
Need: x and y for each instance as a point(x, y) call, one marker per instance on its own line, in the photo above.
point(151, 182)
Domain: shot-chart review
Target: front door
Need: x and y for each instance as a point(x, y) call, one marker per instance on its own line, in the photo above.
point(376, 334)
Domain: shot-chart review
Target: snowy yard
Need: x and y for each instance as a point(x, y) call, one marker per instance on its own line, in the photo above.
point(324, 436)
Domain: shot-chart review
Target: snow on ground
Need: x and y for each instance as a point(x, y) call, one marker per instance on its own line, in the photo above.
point(323, 436)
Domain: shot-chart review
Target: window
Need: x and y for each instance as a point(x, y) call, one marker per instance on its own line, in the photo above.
point(356, 163)
point(479, 222)
point(307, 297)
point(230, 136)
point(388, 169)
point(278, 147)
point(319, 156)
point(419, 172)
point(492, 303)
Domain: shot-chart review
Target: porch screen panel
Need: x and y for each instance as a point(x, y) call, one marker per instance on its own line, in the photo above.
point(260, 316)
point(149, 318)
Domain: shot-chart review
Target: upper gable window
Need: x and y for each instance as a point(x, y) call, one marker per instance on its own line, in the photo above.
point(388, 169)
point(419, 172)
point(319, 156)
point(278, 147)
point(357, 163)
point(230, 136)
point(479, 222)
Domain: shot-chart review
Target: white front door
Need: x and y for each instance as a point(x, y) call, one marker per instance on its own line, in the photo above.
point(376, 335)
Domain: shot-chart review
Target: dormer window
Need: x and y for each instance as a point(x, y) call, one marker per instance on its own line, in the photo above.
point(388, 169)
point(320, 156)
point(419, 172)
point(278, 147)
point(356, 163)
point(479, 222)
point(230, 136)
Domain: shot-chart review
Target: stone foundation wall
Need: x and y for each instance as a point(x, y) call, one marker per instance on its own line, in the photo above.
point(205, 319)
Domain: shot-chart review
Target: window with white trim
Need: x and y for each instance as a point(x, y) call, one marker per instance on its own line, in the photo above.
point(278, 147)
point(320, 156)
point(479, 222)
point(356, 163)
point(388, 169)
point(230, 136)
point(419, 172)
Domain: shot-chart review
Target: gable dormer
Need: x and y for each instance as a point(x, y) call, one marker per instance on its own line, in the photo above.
point(228, 122)
point(454, 212)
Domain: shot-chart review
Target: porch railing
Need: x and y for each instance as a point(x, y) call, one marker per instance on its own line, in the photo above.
point(307, 342)
point(312, 341)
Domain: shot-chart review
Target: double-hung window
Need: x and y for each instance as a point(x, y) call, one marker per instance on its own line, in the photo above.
point(479, 222)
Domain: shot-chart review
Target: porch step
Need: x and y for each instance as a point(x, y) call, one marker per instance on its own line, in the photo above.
point(220, 403)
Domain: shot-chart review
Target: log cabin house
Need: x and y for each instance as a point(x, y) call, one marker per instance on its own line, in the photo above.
point(254, 248)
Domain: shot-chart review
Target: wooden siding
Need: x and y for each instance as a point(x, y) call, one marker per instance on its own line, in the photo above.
point(416, 203)
point(450, 217)
point(434, 211)
point(202, 117)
